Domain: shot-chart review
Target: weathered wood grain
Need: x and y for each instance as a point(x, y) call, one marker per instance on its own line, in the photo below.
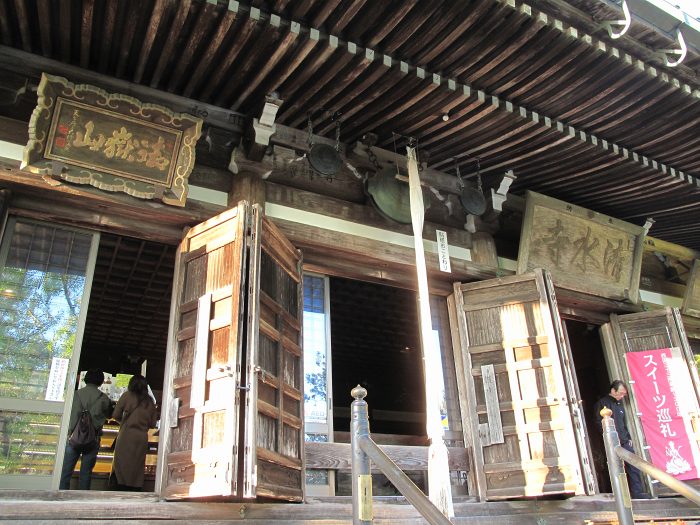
point(337, 456)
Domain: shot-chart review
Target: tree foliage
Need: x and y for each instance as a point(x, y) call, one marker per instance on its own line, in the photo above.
point(37, 323)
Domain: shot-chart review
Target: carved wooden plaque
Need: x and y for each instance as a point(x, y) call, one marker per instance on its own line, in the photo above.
point(82, 134)
point(584, 251)
point(691, 299)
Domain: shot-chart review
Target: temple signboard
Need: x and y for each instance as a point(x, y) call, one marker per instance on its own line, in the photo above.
point(82, 134)
point(583, 250)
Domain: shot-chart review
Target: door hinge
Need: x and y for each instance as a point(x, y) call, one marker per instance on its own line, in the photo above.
point(173, 412)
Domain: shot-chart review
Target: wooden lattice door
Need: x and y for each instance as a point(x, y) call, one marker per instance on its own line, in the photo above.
point(232, 427)
point(517, 409)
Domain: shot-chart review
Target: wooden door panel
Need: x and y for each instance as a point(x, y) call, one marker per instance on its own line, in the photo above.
point(274, 412)
point(235, 420)
point(201, 431)
point(506, 331)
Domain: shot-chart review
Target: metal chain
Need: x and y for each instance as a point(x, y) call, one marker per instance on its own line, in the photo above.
point(478, 175)
point(373, 158)
point(311, 129)
point(337, 135)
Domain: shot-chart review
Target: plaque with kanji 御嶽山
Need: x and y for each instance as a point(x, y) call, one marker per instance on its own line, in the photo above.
point(82, 134)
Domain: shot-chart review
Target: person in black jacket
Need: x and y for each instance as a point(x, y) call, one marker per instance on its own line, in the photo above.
point(100, 407)
point(613, 401)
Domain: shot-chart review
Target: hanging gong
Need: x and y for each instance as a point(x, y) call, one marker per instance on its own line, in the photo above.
point(391, 196)
point(324, 159)
point(473, 201)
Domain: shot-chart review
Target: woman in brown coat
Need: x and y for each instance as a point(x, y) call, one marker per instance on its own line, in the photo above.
point(136, 413)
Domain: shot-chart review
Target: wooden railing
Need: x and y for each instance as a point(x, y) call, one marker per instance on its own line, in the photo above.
point(337, 456)
point(616, 455)
point(363, 449)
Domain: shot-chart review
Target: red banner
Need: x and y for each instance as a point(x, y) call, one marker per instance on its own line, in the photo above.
point(662, 389)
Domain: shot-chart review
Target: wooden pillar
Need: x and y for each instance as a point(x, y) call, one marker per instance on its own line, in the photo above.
point(247, 186)
point(484, 249)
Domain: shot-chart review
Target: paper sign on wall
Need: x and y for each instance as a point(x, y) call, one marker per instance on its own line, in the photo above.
point(443, 251)
point(57, 379)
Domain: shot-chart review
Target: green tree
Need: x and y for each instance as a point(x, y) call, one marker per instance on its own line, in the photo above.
point(37, 323)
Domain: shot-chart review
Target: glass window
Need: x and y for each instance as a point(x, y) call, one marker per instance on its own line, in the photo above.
point(315, 350)
point(42, 286)
point(317, 410)
point(28, 442)
point(44, 271)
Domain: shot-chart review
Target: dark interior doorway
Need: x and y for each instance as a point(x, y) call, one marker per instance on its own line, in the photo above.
point(126, 328)
point(129, 309)
point(593, 383)
point(375, 342)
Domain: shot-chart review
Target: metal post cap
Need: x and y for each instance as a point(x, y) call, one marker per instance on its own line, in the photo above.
point(358, 392)
point(606, 412)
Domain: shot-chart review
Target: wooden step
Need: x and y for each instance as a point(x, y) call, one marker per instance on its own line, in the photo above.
point(688, 520)
point(51, 507)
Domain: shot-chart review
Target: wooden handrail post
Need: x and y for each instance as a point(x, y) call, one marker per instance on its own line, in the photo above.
point(364, 449)
point(361, 476)
point(616, 468)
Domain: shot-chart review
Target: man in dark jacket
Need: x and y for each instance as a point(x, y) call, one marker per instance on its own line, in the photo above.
point(613, 401)
point(88, 398)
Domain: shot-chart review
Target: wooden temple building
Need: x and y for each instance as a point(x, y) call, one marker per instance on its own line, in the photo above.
point(214, 193)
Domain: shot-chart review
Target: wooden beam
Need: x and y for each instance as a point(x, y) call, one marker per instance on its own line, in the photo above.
point(337, 253)
point(33, 65)
point(89, 207)
point(23, 19)
point(45, 23)
point(213, 46)
point(110, 19)
point(359, 155)
point(85, 33)
point(358, 213)
point(336, 456)
point(64, 30)
point(149, 38)
point(13, 131)
point(211, 178)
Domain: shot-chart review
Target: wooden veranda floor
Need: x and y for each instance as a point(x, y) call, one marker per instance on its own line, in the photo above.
point(45, 507)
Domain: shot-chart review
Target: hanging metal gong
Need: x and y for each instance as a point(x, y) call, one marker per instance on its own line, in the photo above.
point(473, 201)
point(391, 196)
point(324, 159)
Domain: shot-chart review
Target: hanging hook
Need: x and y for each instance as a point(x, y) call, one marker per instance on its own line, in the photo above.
point(664, 54)
point(621, 25)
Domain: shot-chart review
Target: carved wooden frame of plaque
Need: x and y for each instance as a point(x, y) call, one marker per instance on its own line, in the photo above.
point(584, 251)
point(691, 299)
point(149, 154)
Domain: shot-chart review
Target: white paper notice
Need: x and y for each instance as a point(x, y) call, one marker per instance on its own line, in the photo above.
point(443, 251)
point(57, 379)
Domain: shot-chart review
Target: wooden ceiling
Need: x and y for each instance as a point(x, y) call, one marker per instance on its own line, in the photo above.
point(538, 88)
point(129, 309)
